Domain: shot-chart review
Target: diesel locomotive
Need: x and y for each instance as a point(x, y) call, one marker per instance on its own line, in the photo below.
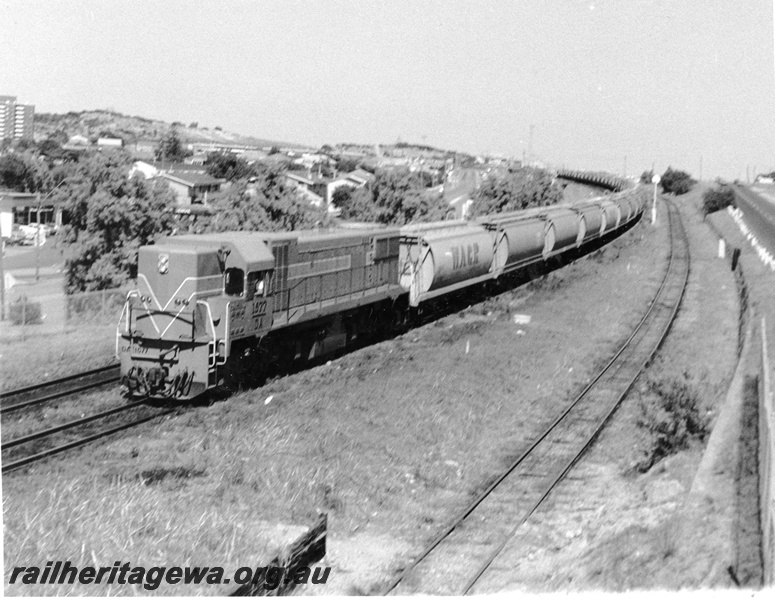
point(226, 307)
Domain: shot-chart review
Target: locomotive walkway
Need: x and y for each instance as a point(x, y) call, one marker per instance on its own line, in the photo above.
point(463, 553)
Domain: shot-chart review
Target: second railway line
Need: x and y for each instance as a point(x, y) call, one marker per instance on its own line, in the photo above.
point(476, 538)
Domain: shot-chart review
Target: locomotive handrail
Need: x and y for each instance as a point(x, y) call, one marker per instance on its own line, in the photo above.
point(129, 294)
point(209, 316)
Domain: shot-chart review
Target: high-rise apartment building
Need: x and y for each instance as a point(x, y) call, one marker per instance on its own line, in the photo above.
point(16, 120)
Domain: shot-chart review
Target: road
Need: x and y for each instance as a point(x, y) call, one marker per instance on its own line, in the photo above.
point(758, 206)
point(460, 187)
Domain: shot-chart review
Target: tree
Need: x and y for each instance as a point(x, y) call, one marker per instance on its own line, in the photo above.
point(396, 197)
point(267, 204)
point(355, 204)
point(676, 182)
point(518, 188)
point(646, 176)
point(342, 196)
point(25, 144)
point(717, 198)
point(24, 172)
point(227, 165)
point(110, 217)
point(346, 165)
point(170, 148)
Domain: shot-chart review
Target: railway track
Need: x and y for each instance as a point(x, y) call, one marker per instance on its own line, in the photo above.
point(21, 398)
point(31, 448)
point(458, 558)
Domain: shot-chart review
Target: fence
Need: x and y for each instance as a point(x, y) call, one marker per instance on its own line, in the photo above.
point(29, 313)
point(766, 463)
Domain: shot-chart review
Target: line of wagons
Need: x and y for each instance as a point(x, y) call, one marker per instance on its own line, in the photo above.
point(228, 307)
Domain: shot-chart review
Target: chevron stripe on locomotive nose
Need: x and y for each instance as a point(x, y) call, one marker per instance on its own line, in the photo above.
point(186, 290)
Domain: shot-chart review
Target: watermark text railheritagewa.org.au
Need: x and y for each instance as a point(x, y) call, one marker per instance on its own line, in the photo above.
point(64, 573)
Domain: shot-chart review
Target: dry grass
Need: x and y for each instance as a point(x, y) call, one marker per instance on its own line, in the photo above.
point(43, 356)
point(635, 531)
point(102, 520)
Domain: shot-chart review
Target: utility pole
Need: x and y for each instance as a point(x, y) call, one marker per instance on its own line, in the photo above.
point(530, 144)
point(2, 279)
point(700, 167)
point(37, 244)
point(624, 174)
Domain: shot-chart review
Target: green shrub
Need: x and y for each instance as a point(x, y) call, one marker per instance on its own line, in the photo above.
point(717, 199)
point(676, 182)
point(670, 413)
point(25, 312)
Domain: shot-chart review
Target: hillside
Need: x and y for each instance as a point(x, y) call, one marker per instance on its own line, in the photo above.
point(93, 123)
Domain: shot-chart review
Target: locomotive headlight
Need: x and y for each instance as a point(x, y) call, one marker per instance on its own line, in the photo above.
point(164, 262)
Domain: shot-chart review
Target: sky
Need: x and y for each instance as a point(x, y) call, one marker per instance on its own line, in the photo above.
point(617, 85)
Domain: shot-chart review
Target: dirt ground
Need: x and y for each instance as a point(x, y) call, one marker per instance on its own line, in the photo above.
point(391, 440)
point(608, 527)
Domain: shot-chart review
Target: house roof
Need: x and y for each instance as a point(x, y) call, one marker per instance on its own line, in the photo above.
point(297, 176)
point(361, 174)
point(192, 179)
point(173, 167)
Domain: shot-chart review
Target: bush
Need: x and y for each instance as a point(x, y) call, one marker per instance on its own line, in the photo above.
point(670, 412)
point(516, 189)
point(717, 199)
point(676, 182)
point(25, 312)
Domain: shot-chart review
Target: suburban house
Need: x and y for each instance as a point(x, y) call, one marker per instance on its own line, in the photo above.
point(320, 189)
point(313, 189)
point(110, 142)
point(150, 169)
point(361, 178)
point(192, 188)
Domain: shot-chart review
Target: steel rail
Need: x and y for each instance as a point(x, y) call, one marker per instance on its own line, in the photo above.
point(607, 415)
point(59, 381)
point(444, 534)
point(68, 391)
point(69, 425)
point(12, 466)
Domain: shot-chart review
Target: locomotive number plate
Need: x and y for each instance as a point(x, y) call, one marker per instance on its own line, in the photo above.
point(259, 307)
point(137, 350)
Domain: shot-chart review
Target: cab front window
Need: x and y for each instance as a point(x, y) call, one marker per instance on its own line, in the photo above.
point(234, 282)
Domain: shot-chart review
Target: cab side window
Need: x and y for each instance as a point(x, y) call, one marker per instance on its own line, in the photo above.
point(234, 282)
point(256, 285)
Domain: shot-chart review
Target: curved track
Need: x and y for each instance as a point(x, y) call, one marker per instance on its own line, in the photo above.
point(20, 398)
point(462, 553)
